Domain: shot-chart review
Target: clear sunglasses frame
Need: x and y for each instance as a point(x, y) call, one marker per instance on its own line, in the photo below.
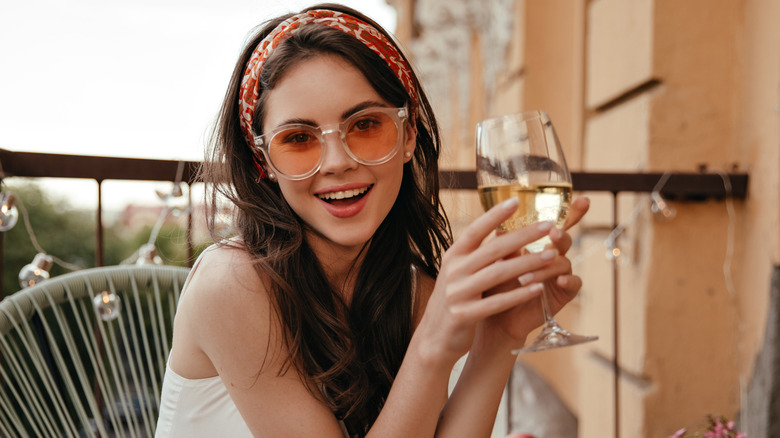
point(397, 115)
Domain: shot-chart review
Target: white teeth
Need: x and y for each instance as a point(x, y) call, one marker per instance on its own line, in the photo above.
point(343, 194)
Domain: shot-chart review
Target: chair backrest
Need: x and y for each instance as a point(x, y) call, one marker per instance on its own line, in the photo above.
point(73, 362)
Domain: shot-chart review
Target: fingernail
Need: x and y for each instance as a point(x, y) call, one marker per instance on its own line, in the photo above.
point(536, 287)
point(511, 203)
point(549, 254)
point(544, 226)
point(526, 278)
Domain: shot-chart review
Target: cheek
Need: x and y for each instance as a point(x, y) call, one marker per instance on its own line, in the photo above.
point(393, 175)
point(295, 193)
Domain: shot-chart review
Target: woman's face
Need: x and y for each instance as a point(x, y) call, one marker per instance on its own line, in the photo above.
point(325, 90)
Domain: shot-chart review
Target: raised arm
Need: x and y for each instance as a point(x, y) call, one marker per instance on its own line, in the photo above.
point(472, 408)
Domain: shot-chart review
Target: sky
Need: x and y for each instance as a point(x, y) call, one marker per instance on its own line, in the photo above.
point(125, 78)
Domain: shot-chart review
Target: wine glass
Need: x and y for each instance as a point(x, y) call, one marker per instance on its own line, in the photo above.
point(520, 155)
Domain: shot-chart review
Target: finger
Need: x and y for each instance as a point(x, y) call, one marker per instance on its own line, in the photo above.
point(567, 287)
point(478, 230)
point(569, 283)
point(558, 267)
point(522, 269)
point(494, 304)
point(509, 244)
point(562, 290)
point(577, 210)
point(561, 240)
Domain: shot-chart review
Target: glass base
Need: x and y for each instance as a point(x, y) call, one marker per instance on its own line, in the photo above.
point(553, 336)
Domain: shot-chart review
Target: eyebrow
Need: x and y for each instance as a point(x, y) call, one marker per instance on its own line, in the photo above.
point(361, 106)
point(345, 115)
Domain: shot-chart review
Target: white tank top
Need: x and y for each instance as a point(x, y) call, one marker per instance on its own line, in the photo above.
point(198, 408)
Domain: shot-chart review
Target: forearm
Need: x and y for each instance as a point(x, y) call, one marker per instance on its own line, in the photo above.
point(417, 397)
point(472, 407)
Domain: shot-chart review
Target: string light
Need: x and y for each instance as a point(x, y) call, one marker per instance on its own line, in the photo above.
point(729, 233)
point(176, 204)
point(613, 251)
point(9, 214)
point(37, 271)
point(175, 199)
point(661, 210)
point(147, 255)
point(107, 305)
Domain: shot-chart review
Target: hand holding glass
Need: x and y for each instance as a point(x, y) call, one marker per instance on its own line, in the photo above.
point(520, 155)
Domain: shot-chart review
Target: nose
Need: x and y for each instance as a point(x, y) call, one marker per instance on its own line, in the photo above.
point(335, 158)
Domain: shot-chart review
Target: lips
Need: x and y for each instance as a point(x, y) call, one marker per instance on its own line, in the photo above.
point(345, 202)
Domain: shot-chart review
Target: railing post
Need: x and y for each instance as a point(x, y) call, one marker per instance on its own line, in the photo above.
point(2, 263)
point(190, 244)
point(99, 226)
point(615, 320)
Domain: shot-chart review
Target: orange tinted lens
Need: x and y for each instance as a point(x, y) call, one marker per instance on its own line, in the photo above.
point(372, 137)
point(295, 151)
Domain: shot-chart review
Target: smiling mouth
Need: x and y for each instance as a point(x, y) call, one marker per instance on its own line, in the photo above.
point(344, 195)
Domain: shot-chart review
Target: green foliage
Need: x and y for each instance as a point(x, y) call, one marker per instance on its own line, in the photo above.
point(66, 233)
point(70, 235)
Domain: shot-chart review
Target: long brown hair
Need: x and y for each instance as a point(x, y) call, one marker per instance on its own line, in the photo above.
point(350, 361)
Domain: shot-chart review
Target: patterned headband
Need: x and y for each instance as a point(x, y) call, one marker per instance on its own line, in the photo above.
point(364, 32)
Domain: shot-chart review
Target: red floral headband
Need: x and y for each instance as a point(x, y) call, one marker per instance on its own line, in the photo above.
point(367, 34)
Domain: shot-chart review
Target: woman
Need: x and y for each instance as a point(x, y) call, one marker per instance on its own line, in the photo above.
point(336, 310)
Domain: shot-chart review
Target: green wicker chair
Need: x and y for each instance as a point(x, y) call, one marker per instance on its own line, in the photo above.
point(74, 364)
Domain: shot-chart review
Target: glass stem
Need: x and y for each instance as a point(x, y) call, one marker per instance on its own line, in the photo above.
point(548, 318)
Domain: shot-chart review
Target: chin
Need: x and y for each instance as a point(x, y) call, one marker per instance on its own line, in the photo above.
point(346, 237)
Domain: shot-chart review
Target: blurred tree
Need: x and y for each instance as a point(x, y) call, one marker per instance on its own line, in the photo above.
point(60, 230)
point(68, 233)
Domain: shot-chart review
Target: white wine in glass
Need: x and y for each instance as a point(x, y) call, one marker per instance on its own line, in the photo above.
point(519, 155)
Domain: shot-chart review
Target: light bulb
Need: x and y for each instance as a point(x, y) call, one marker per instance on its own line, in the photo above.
point(613, 253)
point(9, 214)
point(616, 254)
point(107, 305)
point(175, 200)
point(35, 272)
point(147, 255)
point(661, 210)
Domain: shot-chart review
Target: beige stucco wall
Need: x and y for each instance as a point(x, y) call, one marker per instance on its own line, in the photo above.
point(633, 86)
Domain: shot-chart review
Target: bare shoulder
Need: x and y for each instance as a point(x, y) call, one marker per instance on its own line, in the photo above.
point(225, 326)
point(223, 300)
point(224, 277)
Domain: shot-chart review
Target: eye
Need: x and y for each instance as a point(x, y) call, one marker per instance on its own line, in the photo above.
point(296, 137)
point(369, 124)
point(366, 123)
